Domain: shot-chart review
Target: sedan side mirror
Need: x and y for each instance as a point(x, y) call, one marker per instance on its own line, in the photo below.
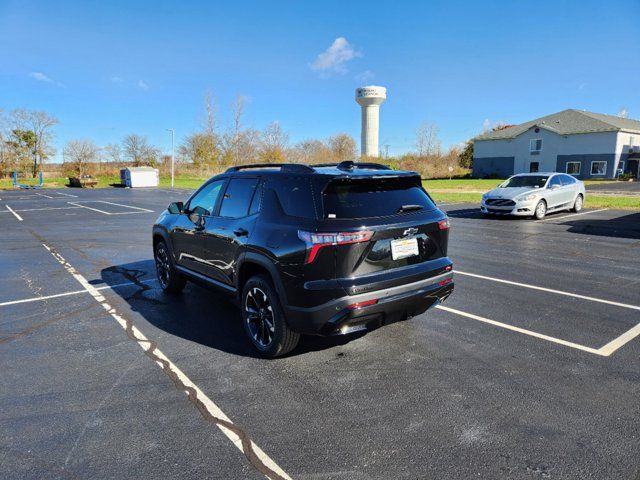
point(554, 187)
point(175, 207)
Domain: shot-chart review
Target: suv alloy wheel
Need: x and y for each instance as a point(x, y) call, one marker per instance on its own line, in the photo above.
point(264, 320)
point(170, 280)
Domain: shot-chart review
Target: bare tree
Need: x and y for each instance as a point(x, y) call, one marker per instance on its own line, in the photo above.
point(342, 147)
point(41, 124)
point(211, 110)
point(273, 143)
point(78, 153)
point(112, 153)
point(427, 141)
point(311, 151)
point(138, 150)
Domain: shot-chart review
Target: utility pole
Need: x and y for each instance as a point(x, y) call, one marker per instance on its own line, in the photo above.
point(386, 150)
point(172, 151)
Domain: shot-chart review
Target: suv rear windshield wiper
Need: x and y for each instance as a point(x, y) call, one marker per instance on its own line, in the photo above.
point(409, 208)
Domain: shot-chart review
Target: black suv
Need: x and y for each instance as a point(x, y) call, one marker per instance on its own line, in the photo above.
point(322, 249)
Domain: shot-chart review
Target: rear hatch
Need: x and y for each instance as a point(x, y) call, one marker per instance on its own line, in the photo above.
point(407, 239)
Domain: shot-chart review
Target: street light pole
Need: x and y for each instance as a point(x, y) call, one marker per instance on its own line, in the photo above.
point(172, 152)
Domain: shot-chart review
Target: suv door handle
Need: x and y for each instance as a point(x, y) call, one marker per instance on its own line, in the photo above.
point(241, 232)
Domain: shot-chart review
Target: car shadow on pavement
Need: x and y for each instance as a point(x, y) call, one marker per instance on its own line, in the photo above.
point(197, 314)
point(625, 226)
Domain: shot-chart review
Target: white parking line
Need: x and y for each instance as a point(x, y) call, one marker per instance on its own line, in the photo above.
point(604, 351)
point(66, 294)
point(550, 290)
point(67, 194)
point(137, 209)
point(531, 333)
point(42, 195)
point(38, 209)
point(210, 411)
point(574, 214)
point(14, 213)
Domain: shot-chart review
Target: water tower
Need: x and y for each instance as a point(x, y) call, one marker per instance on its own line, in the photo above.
point(370, 98)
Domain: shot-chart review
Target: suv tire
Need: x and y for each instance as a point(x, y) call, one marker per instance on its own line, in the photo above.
point(170, 280)
point(540, 211)
point(577, 205)
point(264, 320)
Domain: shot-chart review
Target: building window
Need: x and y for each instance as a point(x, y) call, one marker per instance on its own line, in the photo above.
point(535, 145)
point(598, 168)
point(533, 167)
point(573, 168)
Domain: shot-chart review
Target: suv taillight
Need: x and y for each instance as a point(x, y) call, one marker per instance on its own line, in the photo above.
point(316, 240)
point(444, 224)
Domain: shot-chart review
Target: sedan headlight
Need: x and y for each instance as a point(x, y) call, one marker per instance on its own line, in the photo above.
point(527, 197)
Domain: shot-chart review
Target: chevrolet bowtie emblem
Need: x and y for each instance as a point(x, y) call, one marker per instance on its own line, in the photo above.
point(410, 231)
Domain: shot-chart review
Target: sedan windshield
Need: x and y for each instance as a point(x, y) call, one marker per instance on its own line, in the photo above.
point(532, 181)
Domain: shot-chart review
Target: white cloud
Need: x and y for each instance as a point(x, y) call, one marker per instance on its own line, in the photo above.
point(486, 125)
point(117, 80)
point(143, 85)
point(41, 77)
point(365, 76)
point(335, 58)
point(623, 113)
point(582, 86)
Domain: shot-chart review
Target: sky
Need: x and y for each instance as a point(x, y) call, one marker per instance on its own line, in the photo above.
point(110, 68)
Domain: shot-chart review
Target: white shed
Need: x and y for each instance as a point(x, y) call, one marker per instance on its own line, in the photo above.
point(139, 177)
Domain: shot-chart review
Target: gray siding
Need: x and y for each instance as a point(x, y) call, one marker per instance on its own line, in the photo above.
point(501, 167)
point(585, 160)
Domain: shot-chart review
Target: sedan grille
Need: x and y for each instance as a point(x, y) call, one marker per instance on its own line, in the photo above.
point(500, 202)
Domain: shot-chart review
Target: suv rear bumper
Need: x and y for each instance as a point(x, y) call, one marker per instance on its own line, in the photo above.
point(393, 304)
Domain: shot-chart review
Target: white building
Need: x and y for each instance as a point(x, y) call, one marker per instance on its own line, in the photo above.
point(583, 144)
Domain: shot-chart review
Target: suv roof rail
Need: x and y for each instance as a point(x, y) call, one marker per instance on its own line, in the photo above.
point(350, 165)
point(284, 167)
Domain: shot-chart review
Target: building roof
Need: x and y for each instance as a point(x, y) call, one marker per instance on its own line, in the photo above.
point(567, 122)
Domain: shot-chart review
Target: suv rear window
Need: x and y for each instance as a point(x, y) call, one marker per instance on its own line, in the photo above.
point(374, 198)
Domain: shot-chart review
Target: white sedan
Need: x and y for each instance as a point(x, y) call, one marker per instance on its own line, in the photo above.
point(534, 195)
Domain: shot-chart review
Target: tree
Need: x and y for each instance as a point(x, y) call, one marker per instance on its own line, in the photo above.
point(78, 153)
point(273, 143)
point(112, 153)
point(465, 159)
point(138, 150)
point(201, 149)
point(41, 124)
point(311, 151)
point(342, 147)
point(22, 145)
point(427, 141)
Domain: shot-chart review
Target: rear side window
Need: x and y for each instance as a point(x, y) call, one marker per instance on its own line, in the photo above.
point(374, 198)
point(295, 196)
point(567, 180)
point(237, 197)
point(555, 181)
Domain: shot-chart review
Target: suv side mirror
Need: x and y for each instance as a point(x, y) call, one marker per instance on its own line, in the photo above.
point(175, 207)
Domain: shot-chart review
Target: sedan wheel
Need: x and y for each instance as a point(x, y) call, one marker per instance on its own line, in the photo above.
point(541, 210)
point(577, 206)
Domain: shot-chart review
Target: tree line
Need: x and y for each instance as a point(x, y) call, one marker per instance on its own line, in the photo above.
point(26, 144)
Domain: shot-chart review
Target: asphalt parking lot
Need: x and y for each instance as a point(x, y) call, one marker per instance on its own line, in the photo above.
point(531, 369)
